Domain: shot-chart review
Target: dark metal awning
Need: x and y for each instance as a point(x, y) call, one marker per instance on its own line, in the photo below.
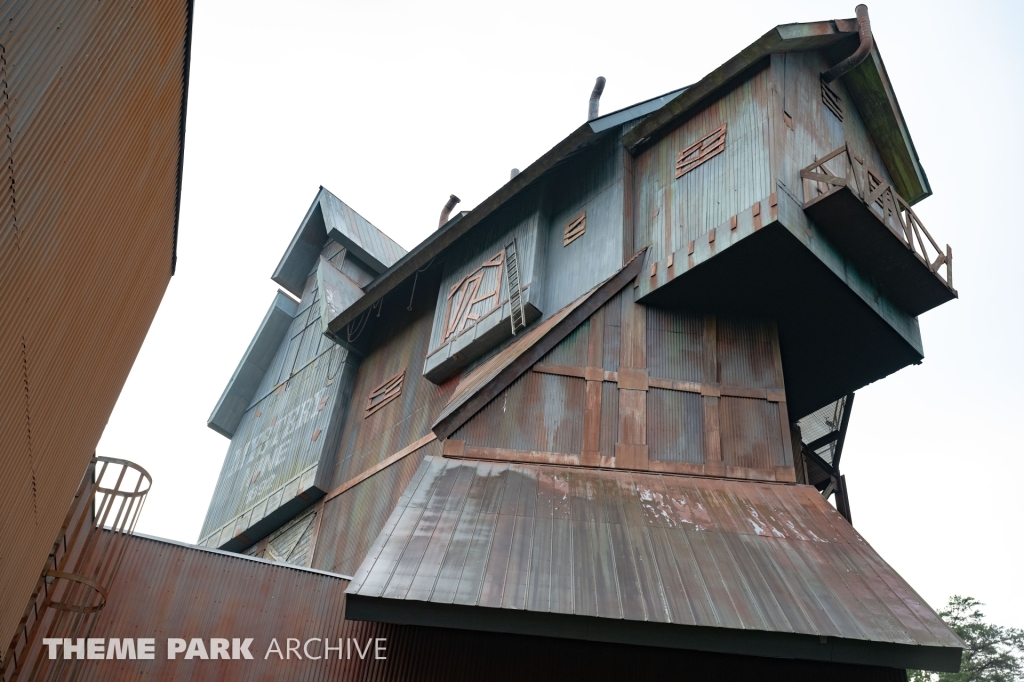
point(672, 561)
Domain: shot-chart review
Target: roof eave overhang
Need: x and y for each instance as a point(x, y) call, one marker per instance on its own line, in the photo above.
point(641, 633)
point(873, 94)
point(316, 228)
point(451, 231)
point(868, 84)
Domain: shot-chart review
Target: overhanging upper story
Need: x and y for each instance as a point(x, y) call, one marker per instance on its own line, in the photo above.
point(763, 189)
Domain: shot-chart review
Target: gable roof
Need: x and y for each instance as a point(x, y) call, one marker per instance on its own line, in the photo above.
point(737, 567)
point(330, 217)
point(583, 137)
point(488, 380)
point(868, 85)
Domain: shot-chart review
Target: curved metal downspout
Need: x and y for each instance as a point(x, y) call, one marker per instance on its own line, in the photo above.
point(447, 210)
point(867, 41)
point(595, 98)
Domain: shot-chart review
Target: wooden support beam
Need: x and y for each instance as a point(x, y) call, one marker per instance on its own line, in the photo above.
point(631, 445)
point(710, 391)
point(594, 375)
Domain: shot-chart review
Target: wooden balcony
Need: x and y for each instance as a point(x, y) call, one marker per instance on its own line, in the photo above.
point(874, 227)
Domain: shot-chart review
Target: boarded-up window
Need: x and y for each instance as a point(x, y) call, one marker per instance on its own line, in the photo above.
point(574, 229)
point(831, 100)
point(700, 151)
point(385, 393)
point(467, 303)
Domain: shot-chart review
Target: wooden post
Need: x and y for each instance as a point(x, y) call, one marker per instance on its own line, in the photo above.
point(631, 447)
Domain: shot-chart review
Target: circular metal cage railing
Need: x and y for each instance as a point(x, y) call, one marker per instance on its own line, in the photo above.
point(80, 569)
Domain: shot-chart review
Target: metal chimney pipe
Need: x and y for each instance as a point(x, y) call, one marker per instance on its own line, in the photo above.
point(515, 172)
point(447, 210)
point(595, 98)
point(867, 41)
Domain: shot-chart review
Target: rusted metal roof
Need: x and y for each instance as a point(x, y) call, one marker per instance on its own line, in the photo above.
point(166, 589)
point(488, 380)
point(716, 565)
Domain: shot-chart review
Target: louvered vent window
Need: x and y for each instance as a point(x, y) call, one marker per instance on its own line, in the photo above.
point(384, 393)
point(831, 100)
point(704, 149)
point(574, 229)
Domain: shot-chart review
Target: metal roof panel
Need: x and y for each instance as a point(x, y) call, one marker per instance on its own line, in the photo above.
point(720, 555)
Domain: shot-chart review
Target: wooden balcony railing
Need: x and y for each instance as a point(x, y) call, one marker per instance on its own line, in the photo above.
point(837, 171)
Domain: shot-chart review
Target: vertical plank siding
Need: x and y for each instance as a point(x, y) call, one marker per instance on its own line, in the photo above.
point(669, 212)
point(399, 342)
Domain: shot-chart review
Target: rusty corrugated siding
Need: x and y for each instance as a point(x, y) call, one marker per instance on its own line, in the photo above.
point(92, 123)
point(643, 548)
point(748, 353)
point(352, 520)
point(170, 590)
point(483, 383)
point(539, 412)
point(399, 343)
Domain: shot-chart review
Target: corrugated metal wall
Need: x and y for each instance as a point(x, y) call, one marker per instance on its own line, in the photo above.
point(591, 183)
point(670, 211)
point(538, 412)
point(541, 412)
point(675, 346)
point(521, 221)
point(399, 342)
point(815, 132)
point(168, 590)
point(353, 519)
point(92, 122)
point(285, 435)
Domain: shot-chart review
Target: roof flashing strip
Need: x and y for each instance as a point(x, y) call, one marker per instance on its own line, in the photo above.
point(254, 363)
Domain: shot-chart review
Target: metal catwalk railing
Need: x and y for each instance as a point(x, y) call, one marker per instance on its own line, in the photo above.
point(79, 571)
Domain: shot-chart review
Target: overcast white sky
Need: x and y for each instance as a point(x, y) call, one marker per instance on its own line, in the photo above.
point(393, 106)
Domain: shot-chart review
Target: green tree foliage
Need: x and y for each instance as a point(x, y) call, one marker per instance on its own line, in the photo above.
point(992, 653)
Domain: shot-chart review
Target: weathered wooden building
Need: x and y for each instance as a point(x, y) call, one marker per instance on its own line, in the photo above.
point(609, 403)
